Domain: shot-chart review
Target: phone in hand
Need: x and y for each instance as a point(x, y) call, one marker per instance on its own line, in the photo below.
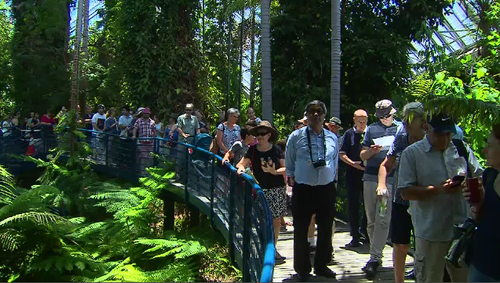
point(458, 180)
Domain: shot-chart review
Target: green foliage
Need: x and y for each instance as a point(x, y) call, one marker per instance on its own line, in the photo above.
point(376, 40)
point(40, 54)
point(6, 31)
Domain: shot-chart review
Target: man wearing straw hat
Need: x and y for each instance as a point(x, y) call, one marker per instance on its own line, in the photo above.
point(311, 164)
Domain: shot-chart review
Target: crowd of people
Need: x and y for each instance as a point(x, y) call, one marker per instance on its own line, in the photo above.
point(415, 176)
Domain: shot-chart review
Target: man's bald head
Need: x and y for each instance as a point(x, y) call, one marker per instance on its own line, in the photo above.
point(360, 113)
point(360, 120)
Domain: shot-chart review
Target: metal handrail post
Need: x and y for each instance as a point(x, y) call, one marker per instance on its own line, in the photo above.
point(212, 190)
point(246, 231)
point(232, 184)
point(186, 174)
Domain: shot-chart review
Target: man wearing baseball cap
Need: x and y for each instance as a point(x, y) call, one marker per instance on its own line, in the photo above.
point(425, 177)
point(377, 204)
point(334, 125)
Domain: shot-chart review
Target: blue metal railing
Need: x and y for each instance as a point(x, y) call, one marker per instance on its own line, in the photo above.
point(234, 204)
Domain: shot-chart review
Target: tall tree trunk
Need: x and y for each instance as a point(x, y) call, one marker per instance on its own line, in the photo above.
point(83, 81)
point(267, 95)
point(336, 60)
point(240, 81)
point(252, 59)
point(76, 55)
point(229, 50)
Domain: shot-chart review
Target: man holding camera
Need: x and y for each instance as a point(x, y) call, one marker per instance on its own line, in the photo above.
point(432, 175)
point(311, 165)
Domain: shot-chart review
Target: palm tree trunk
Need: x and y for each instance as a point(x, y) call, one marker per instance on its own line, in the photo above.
point(267, 95)
point(252, 59)
point(85, 44)
point(336, 60)
point(229, 50)
point(76, 55)
point(242, 25)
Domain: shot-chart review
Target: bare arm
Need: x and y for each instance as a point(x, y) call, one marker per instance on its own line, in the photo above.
point(242, 165)
point(220, 135)
point(369, 152)
point(385, 168)
point(418, 193)
point(229, 154)
point(348, 161)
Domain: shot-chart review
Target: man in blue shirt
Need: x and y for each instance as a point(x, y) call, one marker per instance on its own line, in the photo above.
point(378, 138)
point(311, 164)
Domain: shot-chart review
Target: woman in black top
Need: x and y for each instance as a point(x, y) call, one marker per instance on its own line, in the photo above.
point(268, 165)
point(485, 262)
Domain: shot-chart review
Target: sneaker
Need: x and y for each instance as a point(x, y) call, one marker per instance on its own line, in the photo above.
point(410, 274)
point(371, 269)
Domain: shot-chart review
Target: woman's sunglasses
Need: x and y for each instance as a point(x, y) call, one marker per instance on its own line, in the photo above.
point(261, 134)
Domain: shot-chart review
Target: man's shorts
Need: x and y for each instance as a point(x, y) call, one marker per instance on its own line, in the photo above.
point(401, 224)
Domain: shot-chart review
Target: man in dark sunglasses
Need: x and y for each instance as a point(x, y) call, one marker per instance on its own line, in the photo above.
point(377, 140)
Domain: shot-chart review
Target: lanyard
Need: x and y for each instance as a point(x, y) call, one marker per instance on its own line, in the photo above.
point(310, 147)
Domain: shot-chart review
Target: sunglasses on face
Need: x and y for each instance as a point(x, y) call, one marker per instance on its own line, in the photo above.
point(189, 110)
point(314, 110)
point(261, 134)
point(386, 116)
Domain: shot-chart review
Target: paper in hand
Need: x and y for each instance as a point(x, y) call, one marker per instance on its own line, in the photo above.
point(384, 142)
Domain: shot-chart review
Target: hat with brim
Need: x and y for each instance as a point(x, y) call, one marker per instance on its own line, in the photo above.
point(334, 121)
point(146, 111)
point(384, 108)
point(172, 115)
point(139, 111)
point(442, 123)
point(268, 127)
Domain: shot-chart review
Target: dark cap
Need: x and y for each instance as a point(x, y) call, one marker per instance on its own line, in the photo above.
point(442, 123)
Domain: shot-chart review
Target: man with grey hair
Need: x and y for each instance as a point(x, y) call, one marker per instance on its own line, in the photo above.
point(188, 125)
point(311, 163)
point(377, 140)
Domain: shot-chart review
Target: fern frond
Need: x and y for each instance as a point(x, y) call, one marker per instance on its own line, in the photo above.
point(10, 239)
point(41, 218)
point(7, 194)
point(88, 230)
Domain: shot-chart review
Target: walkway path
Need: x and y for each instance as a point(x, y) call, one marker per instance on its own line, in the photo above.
point(347, 263)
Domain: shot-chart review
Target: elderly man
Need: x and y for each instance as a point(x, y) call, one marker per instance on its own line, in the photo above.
point(188, 125)
point(378, 138)
point(426, 178)
point(311, 160)
point(350, 154)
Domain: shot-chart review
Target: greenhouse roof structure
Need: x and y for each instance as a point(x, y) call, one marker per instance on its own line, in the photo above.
point(456, 34)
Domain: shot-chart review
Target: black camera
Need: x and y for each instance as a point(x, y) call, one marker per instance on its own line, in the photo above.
point(319, 163)
point(462, 238)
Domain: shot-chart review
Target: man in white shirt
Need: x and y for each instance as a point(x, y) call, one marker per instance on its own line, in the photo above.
point(98, 121)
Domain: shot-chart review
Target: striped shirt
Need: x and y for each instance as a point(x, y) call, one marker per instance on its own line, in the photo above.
point(375, 131)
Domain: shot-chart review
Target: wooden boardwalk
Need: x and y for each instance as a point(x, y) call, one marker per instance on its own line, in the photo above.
point(347, 262)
